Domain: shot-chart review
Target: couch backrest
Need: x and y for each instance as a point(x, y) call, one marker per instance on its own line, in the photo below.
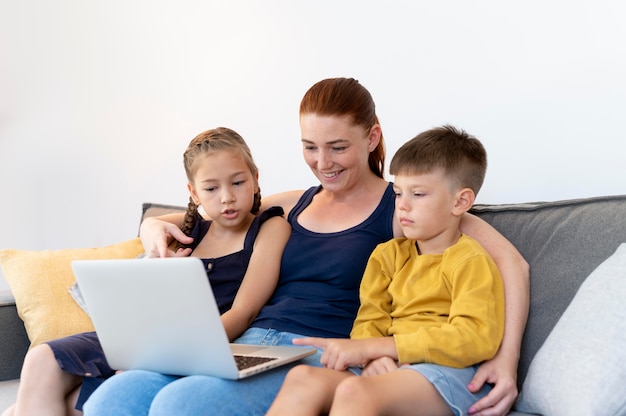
point(151, 209)
point(563, 241)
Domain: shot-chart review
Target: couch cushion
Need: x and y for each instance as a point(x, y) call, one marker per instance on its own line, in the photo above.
point(580, 368)
point(563, 241)
point(40, 281)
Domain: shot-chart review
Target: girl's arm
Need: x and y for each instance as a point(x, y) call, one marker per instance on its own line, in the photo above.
point(157, 233)
point(261, 276)
point(502, 369)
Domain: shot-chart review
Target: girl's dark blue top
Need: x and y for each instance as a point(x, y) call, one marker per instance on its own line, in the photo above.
point(320, 274)
point(226, 273)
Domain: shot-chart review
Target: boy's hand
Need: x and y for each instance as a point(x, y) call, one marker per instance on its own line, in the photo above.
point(339, 354)
point(379, 366)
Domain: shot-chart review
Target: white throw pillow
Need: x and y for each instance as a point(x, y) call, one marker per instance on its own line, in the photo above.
point(581, 367)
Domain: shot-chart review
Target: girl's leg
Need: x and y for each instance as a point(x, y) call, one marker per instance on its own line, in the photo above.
point(307, 391)
point(70, 402)
point(9, 411)
point(396, 392)
point(127, 393)
point(44, 387)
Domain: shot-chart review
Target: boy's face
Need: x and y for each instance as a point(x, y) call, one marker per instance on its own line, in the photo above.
point(425, 205)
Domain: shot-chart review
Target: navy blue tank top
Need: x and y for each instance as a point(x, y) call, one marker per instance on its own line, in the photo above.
point(227, 272)
point(320, 274)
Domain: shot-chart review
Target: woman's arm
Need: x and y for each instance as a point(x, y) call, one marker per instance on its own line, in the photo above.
point(285, 200)
point(502, 369)
point(157, 233)
point(261, 276)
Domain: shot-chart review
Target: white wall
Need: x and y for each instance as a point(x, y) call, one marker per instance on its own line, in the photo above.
point(99, 99)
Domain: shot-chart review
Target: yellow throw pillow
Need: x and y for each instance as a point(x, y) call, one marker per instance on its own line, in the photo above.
point(40, 281)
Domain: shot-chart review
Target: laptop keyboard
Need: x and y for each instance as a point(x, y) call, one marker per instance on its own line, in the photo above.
point(246, 361)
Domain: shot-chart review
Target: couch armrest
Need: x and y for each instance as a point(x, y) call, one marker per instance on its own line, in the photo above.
point(13, 339)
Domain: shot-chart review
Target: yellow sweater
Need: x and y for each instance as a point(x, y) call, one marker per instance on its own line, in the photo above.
point(446, 309)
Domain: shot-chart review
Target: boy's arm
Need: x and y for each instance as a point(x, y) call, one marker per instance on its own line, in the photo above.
point(369, 334)
point(502, 369)
point(374, 316)
point(515, 273)
point(341, 353)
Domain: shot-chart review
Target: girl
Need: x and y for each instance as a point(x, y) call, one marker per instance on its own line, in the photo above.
point(241, 252)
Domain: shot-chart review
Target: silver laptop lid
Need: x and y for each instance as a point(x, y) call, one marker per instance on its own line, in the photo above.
point(156, 314)
point(161, 315)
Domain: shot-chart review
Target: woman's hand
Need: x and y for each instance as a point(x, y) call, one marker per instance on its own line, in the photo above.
point(497, 371)
point(157, 234)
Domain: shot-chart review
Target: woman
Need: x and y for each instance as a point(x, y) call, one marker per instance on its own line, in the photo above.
point(335, 227)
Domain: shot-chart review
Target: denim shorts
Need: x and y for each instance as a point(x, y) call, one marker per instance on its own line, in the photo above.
point(451, 383)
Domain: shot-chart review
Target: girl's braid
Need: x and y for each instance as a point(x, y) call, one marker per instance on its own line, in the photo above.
point(191, 217)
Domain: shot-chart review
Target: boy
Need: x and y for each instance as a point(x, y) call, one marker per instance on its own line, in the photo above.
point(432, 304)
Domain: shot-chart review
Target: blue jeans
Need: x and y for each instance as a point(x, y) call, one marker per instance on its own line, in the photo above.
point(139, 392)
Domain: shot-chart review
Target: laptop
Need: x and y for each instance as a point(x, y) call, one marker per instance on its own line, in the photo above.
point(160, 314)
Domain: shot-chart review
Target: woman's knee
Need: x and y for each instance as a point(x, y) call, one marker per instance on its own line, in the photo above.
point(192, 395)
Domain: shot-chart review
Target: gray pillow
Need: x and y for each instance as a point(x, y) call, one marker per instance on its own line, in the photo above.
point(581, 367)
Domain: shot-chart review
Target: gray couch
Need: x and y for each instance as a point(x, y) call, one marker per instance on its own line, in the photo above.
point(563, 242)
